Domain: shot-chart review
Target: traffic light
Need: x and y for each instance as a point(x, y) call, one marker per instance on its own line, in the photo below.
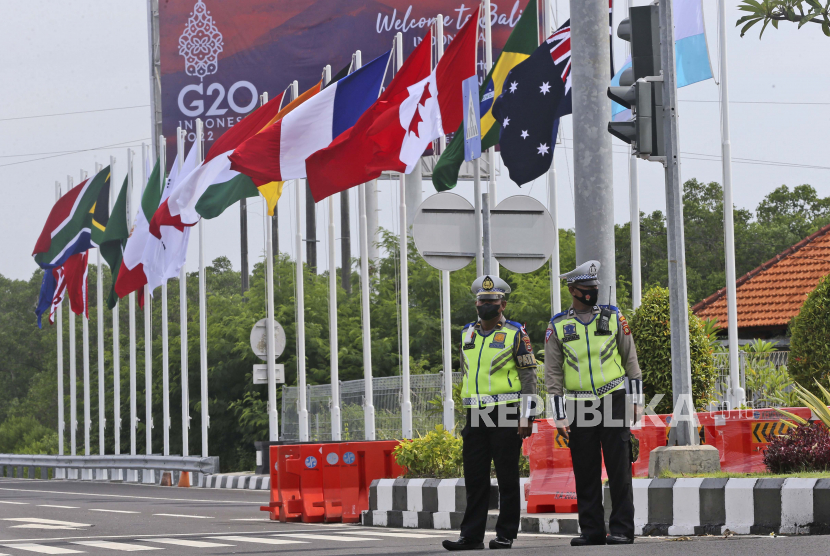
point(641, 85)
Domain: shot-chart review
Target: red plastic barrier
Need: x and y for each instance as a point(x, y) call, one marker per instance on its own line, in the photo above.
point(332, 502)
point(288, 485)
point(651, 434)
point(372, 460)
point(273, 508)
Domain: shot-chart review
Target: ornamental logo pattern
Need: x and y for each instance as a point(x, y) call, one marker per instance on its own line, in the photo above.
point(201, 43)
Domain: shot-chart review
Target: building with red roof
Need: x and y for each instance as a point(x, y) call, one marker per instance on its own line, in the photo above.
point(772, 294)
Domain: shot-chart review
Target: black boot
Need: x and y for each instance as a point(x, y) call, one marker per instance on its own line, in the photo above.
point(618, 539)
point(463, 544)
point(582, 540)
point(501, 542)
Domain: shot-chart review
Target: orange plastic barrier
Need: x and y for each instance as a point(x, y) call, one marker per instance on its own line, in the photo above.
point(372, 460)
point(332, 502)
point(273, 508)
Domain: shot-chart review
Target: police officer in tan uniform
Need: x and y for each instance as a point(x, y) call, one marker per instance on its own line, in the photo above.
point(591, 361)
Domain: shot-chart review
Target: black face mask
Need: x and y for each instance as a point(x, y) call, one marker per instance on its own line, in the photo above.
point(589, 295)
point(488, 311)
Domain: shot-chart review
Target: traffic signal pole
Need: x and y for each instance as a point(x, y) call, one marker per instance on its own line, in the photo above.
point(593, 164)
point(685, 432)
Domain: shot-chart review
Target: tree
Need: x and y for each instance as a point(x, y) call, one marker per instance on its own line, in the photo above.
point(795, 11)
point(809, 345)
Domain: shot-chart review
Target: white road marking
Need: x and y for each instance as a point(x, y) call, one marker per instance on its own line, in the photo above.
point(54, 506)
point(181, 515)
point(46, 521)
point(150, 537)
point(43, 549)
point(251, 519)
point(259, 540)
point(185, 542)
point(115, 511)
point(42, 526)
point(327, 537)
point(10, 502)
point(396, 535)
point(124, 547)
point(53, 492)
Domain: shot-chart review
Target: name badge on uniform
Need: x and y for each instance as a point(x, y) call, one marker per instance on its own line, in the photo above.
point(570, 333)
point(471, 345)
point(498, 340)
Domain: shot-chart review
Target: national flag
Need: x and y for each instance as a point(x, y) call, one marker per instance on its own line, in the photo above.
point(68, 229)
point(691, 53)
point(75, 269)
point(131, 275)
point(164, 257)
point(393, 134)
point(52, 289)
point(101, 210)
point(530, 105)
point(521, 43)
point(115, 239)
point(279, 152)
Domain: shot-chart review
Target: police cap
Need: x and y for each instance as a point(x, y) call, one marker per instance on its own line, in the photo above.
point(583, 275)
point(490, 287)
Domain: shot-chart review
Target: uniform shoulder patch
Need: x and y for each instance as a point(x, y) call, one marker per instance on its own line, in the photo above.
point(625, 328)
point(548, 333)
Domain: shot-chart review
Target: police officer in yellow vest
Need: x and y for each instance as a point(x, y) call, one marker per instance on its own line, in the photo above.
point(497, 390)
point(589, 354)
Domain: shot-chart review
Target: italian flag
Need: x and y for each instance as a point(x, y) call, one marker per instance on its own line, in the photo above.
point(519, 46)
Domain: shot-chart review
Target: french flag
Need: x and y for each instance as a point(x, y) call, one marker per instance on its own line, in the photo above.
point(279, 152)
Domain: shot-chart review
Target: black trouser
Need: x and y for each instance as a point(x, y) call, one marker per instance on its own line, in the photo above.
point(502, 445)
point(589, 444)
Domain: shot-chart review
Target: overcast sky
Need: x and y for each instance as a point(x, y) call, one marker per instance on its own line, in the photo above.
point(90, 58)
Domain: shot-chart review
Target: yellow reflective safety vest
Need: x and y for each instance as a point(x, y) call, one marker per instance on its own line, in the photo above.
point(592, 363)
point(491, 375)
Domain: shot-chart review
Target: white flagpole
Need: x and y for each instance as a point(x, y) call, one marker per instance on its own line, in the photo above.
point(86, 473)
point(298, 245)
point(202, 309)
point(131, 474)
point(183, 321)
point(59, 334)
point(273, 414)
point(553, 199)
point(165, 354)
point(737, 394)
point(148, 342)
point(73, 378)
point(102, 418)
point(403, 247)
point(488, 198)
point(116, 354)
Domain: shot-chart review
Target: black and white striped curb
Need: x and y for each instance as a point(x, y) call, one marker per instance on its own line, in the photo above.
point(143, 476)
point(687, 506)
point(237, 481)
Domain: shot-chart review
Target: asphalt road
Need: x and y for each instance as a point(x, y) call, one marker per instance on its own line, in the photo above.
point(61, 517)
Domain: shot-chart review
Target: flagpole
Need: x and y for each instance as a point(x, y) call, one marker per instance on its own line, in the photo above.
point(446, 331)
point(60, 473)
point(86, 474)
point(132, 475)
point(490, 196)
point(737, 393)
point(116, 354)
point(553, 199)
point(100, 291)
point(73, 378)
point(183, 321)
point(270, 355)
point(148, 344)
point(477, 200)
point(202, 308)
point(165, 354)
point(403, 247)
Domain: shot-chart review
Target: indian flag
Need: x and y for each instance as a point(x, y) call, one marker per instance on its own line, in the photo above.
point(519, 46)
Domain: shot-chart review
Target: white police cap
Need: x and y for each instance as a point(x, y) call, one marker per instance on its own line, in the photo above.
point(490, 287)
point(585, 274)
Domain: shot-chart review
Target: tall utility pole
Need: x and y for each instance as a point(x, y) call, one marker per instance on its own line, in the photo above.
point(684, 434)
point(593, 164)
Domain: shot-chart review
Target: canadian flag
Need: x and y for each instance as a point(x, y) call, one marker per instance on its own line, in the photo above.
point(414, 110)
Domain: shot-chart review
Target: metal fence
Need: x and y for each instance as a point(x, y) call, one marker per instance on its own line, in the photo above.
point(386, 394)
point(774, 362)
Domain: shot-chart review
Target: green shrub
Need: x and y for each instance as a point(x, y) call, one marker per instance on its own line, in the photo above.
point(25, 435)
point(652, 336)
point(437, 455)
point(810, 343)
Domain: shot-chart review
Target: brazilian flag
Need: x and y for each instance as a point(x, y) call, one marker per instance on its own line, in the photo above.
point(519, 46)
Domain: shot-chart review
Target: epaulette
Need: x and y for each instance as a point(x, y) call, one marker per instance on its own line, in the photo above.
point(557, 315)
point(611, 307)
point(513, 323)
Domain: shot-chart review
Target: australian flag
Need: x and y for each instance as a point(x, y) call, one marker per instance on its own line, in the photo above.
point(536, 93)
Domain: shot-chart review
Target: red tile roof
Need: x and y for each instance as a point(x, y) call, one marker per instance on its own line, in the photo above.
point(772, 294)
